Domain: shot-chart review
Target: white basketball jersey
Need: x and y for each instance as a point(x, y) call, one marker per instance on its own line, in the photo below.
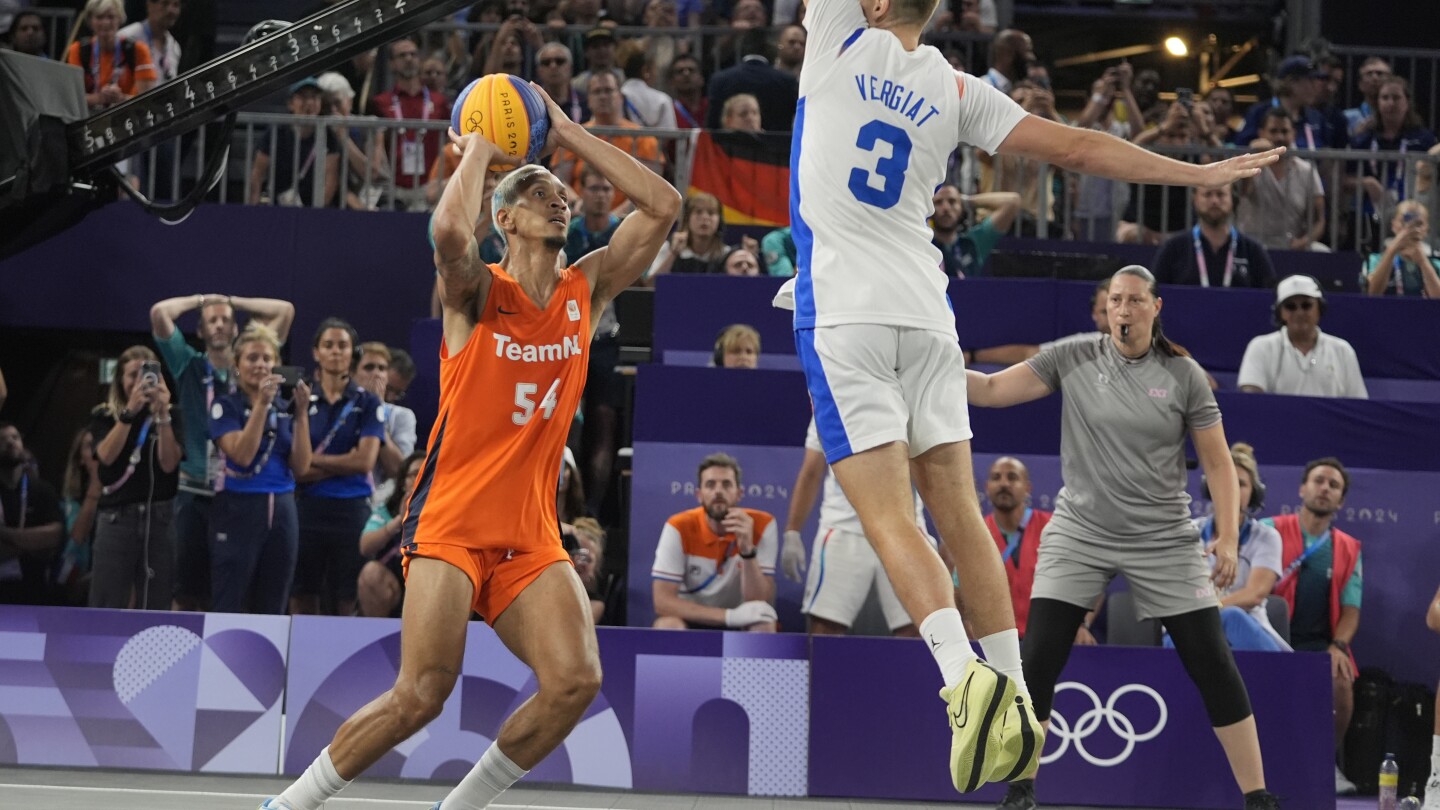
point(874, 131)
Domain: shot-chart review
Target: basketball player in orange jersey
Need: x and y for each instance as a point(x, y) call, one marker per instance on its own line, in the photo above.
point(480, 530)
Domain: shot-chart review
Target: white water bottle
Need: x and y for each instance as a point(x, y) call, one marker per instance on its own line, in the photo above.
point(1389, 783)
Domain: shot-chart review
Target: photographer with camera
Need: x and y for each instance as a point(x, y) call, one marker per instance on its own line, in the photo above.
point(265, 436)
point(137, 442)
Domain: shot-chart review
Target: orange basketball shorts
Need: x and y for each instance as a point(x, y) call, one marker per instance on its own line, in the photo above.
point(498, 575)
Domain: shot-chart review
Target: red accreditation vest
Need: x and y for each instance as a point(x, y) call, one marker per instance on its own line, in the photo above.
point(1346, 551)
point(1022, 576)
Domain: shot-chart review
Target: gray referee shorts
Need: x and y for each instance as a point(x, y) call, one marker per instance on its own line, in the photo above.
point(1167, 578)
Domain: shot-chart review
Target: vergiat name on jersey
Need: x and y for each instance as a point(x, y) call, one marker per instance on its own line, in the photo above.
point(894, 96)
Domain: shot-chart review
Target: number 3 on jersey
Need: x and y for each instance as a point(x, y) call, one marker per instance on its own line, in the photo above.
point(523, 400)
point(891, 169)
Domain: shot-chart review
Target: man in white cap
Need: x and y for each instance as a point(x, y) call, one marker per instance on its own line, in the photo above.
point(1299, 359)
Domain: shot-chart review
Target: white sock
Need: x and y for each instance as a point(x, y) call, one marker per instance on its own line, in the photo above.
point(1002, 651)
point(318, 783)
point(487, 780)
point(944, 632)
point(1435, 756)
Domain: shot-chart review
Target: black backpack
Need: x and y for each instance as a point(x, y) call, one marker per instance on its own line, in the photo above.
point(127, 57)
point(1390, 718)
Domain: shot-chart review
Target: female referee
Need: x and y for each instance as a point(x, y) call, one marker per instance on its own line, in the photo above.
point(1130, 398)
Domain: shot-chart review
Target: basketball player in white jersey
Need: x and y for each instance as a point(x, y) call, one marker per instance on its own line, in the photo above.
point(878, 117)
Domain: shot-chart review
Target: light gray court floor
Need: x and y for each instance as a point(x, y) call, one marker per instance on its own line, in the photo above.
point(57, 789)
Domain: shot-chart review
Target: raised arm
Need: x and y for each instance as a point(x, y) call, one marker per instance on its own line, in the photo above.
point(1004, 206)
point(1016, 384)
point(272, 312)
point(640, 235)
point(164, 313)
point(1097, 153)
point(464, 278)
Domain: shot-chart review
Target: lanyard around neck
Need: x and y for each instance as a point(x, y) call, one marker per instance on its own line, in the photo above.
point(272, 432)
point(95, 62)
point(1299, 561)
point(339, 421)
point(1229, 258)
point(1012, 544)
point(1304, 122)
point(135, 456)
point(426, 111)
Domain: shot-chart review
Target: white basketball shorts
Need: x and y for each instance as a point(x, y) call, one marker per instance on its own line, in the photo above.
point(873, 384)
point(842, 568)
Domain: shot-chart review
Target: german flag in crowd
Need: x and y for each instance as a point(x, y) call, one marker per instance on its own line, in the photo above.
point(749, 172)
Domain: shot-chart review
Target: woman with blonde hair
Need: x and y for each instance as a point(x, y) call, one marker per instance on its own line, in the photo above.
point(114, 69)
point(138, 449)
point(737, 346)
point(265, 436)
point(1242, 605)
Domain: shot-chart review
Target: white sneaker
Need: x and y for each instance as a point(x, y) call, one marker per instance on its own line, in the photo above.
point(1343, 786)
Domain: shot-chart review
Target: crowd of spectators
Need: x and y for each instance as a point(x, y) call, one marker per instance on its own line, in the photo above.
point(745, 80)
point(215, 478)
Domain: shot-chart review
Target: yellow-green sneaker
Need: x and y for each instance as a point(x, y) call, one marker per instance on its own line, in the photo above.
point(976, 708)
point(1022, 740)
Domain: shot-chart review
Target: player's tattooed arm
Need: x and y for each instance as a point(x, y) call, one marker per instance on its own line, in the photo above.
point(464, 278)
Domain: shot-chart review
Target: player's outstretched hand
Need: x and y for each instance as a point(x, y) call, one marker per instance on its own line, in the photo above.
point(474, 141)
point(1219, 175)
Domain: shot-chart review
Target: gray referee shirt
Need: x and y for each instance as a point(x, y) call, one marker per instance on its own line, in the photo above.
point(1122, 441)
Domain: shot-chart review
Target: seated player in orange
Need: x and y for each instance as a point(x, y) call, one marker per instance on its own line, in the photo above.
point(480, 530)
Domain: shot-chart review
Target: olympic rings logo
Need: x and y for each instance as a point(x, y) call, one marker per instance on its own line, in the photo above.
point(1089, 722)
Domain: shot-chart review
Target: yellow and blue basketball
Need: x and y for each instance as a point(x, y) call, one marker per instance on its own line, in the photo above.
point(506, 111)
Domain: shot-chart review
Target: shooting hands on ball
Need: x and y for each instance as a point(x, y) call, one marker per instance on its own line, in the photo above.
point(475, 143)
point(561, 127)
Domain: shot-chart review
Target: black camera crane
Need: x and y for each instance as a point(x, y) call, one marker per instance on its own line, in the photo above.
point(275, 54)
point(223, 85)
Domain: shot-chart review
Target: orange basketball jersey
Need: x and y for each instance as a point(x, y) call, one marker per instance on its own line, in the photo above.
point(507, 399)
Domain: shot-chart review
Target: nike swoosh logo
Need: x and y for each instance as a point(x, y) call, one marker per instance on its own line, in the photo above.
point(935, 644)
point(504, 311)
point(963, 716)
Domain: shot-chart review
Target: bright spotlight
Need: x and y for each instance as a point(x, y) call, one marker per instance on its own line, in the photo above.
point(1176, 46)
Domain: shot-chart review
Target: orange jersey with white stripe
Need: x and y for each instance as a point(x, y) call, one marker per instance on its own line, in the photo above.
point(507, 399)
point(706, 564)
